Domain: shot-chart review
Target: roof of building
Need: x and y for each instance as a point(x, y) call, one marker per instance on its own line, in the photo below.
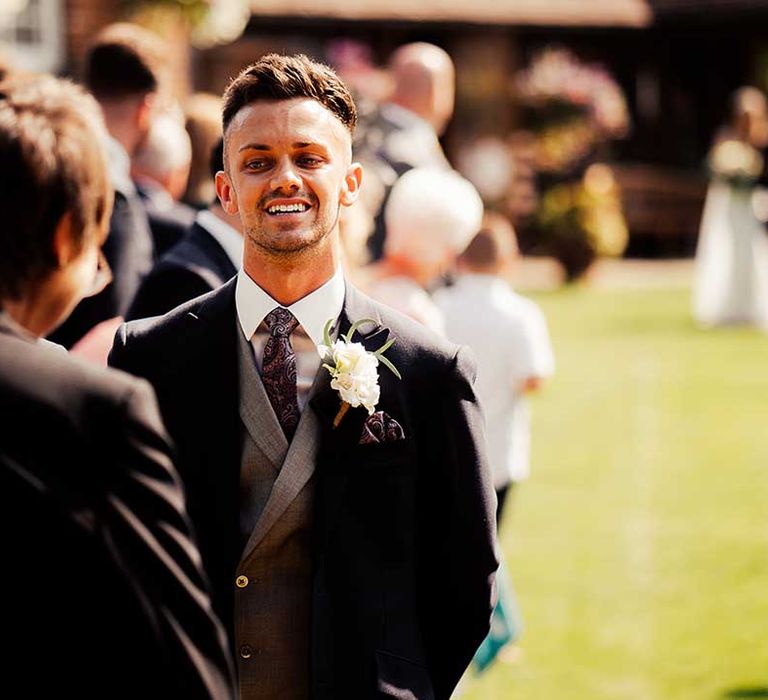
point(602, 13)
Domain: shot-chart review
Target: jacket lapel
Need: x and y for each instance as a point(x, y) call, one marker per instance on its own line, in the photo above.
point(255, 409)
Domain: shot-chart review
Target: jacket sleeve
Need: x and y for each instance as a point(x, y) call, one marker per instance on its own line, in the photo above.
point(460, 529)
point(146, 528)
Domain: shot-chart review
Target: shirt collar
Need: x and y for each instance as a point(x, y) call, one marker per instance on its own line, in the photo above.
point(312, 311)
point(224, 234)
point(119, 166)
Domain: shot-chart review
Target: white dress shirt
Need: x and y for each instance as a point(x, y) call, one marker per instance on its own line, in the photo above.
point(312, 312)
point(508, 334)
point(225, 235)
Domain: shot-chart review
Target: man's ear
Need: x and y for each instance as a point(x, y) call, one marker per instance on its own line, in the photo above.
point(351, 187)
point(226, 193)
point(144, 112)
point(65, 250)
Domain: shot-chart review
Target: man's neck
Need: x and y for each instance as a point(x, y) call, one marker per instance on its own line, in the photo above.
point(287, 280)
point(28, 316)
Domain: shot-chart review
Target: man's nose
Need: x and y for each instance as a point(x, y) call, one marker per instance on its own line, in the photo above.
point(285, 177)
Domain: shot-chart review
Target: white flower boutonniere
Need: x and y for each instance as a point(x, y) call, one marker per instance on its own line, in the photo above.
point(354, 370)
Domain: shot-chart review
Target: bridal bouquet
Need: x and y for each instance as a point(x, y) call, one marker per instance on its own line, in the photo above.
point(736, 162)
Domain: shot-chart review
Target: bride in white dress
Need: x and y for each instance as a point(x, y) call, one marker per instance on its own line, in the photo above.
point(731, 271)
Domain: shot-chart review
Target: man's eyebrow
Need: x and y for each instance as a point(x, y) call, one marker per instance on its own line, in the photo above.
point(308, 144)
point(265, 147)
point(253, 147)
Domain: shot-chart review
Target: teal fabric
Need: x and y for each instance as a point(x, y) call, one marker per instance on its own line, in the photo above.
point(506, 622)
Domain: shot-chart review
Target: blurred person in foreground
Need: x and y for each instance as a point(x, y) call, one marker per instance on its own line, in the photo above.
point(348, 524)
point(403, 133)
point(730, 285)
point(99, 564)
point(508, 334)
point(160, 170)
point(210, 254)
point(125, 71)
point(431, 216)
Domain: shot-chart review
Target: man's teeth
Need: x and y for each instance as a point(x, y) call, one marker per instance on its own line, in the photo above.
point(286, 208)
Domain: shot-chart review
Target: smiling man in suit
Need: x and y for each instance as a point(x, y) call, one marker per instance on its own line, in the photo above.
point(353, 558)
point(102, 593)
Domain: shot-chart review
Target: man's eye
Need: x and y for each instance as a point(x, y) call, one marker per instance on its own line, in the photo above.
point(255, 164)
point(309, 161)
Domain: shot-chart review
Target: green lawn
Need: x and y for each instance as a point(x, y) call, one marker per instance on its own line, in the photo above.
point(639, 548)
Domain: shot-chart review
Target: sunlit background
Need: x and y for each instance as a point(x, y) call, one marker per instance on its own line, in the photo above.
point(639, 547)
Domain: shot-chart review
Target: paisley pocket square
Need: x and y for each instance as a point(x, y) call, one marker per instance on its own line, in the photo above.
point(379, 427)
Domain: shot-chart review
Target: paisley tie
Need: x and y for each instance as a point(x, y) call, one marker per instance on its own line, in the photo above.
point(278, 369)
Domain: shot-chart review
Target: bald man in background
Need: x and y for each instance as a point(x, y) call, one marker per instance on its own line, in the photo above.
point(404, 132)
point(160, 170)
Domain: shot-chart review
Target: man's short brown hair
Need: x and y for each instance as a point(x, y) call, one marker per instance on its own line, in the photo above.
point(494, 245)
point(125, 60)
point(52, 163)
point(276, 77)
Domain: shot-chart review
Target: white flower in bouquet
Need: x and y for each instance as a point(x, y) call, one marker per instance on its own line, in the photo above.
point(354, 370)
point(733, 159)
point(355, 374)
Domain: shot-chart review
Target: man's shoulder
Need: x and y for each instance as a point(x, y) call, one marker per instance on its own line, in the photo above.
point(414, 342)
point(45, 376)
point(154, 337)
point(522, 310)
point(157, 327)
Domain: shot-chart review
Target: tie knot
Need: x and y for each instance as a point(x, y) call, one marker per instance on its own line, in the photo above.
point(280, 322)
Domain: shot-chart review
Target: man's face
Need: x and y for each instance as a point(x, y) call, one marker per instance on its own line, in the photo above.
point(288, 174)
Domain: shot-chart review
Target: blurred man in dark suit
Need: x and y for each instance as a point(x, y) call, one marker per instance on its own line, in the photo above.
point(126, 71)
point(209, 255)
point(102, 593)
point(404, 132)
point(160, 170)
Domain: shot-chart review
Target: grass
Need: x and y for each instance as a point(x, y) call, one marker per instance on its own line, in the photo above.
point(639, 548)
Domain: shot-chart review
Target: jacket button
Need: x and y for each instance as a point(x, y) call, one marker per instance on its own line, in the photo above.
point(241, 581)
point(246, 651)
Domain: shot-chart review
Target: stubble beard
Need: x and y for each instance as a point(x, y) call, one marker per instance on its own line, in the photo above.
point(283, 249)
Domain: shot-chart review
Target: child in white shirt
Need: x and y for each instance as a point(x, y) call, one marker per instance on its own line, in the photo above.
point(508, 334)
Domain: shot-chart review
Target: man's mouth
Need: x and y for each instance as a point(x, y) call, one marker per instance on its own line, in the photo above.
point(296, 208)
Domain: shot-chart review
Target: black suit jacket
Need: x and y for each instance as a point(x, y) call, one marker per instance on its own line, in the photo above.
point(404, 555)
point(102, 594)
point(194, 266)
point(129, 250)
point(168, 221)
